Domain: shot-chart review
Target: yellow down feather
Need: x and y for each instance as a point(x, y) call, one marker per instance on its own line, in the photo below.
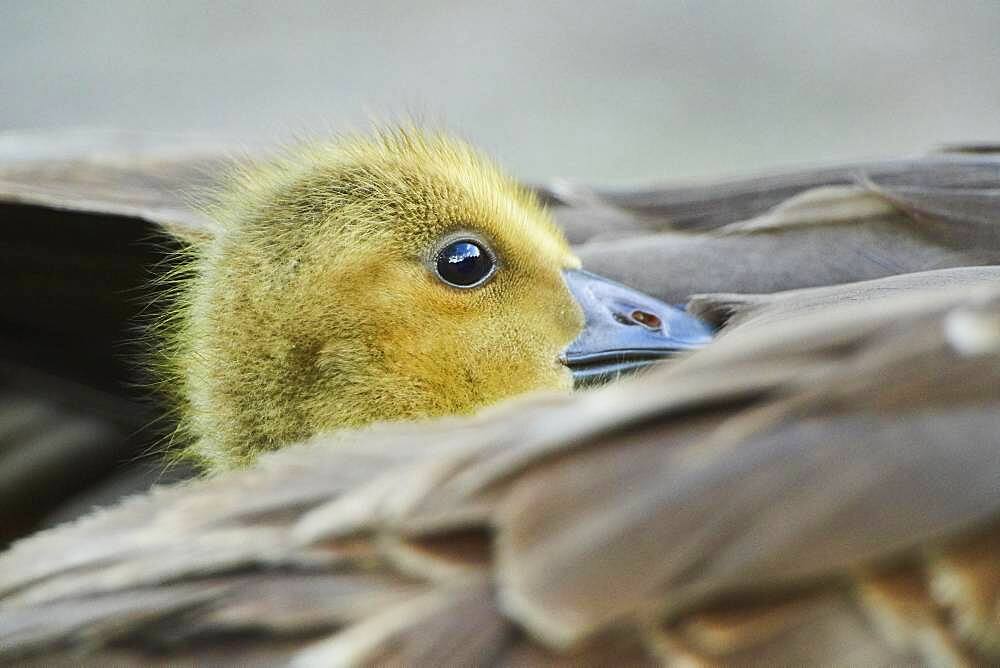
point(315, 305)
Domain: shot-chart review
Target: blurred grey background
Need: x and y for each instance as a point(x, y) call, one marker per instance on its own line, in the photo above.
point(614, 92)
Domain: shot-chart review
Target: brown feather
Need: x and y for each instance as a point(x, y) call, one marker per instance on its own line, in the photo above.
point(818, 486)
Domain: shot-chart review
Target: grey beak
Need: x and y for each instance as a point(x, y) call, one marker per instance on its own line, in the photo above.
point(625, 329)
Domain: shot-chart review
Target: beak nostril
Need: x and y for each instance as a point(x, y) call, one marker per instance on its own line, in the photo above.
point(647, 319)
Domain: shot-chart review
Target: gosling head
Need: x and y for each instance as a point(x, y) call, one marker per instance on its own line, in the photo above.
point(400, 276)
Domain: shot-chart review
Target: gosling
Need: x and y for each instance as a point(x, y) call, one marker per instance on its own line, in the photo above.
point(397, 276)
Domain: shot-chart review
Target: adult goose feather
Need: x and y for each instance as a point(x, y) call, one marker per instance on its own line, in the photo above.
point(820, 485)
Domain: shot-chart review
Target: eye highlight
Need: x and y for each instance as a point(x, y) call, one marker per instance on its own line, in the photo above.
point(465, 263)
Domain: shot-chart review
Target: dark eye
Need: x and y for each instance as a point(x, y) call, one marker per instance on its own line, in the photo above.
point(465, 263)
